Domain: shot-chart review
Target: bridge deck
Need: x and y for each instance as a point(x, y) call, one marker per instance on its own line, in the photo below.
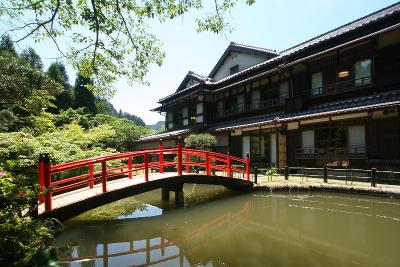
point(78, 195)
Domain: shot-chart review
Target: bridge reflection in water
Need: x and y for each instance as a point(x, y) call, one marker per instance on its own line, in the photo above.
point(166, 249)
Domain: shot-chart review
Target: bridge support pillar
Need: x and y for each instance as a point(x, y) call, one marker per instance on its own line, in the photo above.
point(164, 193)
point(179, 195)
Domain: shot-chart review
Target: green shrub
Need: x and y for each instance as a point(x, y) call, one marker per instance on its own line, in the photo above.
point(203, 141)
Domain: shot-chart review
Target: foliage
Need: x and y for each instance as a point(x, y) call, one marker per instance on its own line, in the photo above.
point(84, 97)
point(8, 121)
point(78, 115)
point(126, 131)
point(109, 39)
point(32, 58)
point(19, 80)
point(203, 141)
point(58, 73)
point(6, 44)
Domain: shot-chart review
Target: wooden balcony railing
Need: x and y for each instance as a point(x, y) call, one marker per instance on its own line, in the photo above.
point(249, 107)
point(356, 150)
point(342, 86)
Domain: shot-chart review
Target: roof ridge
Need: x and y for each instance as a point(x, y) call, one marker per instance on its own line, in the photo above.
point(253, 47)
point(342, 26)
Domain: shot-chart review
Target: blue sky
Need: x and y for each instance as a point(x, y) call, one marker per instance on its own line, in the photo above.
point(274, 24)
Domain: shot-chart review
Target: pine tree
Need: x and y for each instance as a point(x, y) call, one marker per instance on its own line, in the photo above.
point(84, 97)
point(6, 44)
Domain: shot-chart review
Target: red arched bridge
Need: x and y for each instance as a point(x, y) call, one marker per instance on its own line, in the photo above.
point(69, 189)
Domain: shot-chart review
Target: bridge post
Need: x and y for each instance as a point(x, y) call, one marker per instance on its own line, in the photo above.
point(248, 167)
point(208, 164)
point(179, 196)
point(41, 178)
point(91, 172)
point(179, 156)
point(229, 163)
point(47, 182)
point(146, 166)
point(255, 174)
point(130, 167)
point(104, 176)
point(187, 160)
point(161, 157)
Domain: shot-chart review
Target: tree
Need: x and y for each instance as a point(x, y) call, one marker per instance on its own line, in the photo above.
point(32, 57)
point(58, 73)
point(18, 80)
point(84, 97)
point(6, 44)
point(109, 38)
point(202, 141)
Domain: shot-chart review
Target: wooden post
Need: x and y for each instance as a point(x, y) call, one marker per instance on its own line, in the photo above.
point(41, 178)
point(130, 167)
point(373, 177)
point(286, 173)
point(325, 174)
point(104, 175)
point(208, 164)
point(91, 176)
point(255, 174)
point(161, 157)
point(229, 162)
point(187, 160)
point(47, 182)
point(248, 167)
point(146, 166)
point(179, 157)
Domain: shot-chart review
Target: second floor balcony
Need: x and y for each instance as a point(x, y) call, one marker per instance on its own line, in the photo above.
point(341, 86)
point(236, 109)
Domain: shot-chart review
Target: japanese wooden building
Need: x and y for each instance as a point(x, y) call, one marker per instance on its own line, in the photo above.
point(334, 99)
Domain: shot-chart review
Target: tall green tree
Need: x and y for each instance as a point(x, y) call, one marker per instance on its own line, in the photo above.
point(110, 39)
point(32, 57)
point(84, 98)
point(58, 73)
point(6, 44)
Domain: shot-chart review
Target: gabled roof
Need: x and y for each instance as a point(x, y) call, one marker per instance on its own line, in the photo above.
point(244, 49)
point(192, 75)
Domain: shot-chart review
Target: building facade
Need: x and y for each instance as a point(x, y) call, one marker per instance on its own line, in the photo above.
point(332, 100)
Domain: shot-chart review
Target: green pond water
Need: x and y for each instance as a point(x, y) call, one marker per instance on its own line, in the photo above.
point(218, 227)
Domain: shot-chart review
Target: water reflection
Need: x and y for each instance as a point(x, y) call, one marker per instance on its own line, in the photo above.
point(257, 229)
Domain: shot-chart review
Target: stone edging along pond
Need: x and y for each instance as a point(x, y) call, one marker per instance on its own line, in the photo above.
point(318, 187)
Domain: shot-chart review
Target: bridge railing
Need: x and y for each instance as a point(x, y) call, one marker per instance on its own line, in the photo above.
point(101, 169)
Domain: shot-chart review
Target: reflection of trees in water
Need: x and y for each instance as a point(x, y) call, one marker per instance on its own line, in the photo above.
point(181, 248)
point(111, 211)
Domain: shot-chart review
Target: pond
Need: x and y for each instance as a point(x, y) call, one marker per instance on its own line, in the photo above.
point(218, 227)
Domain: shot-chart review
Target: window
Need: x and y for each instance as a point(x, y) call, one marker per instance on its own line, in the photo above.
point(284, 89)
point(307, 141)
point(234, 69)
point(185, 115)
point(199, 112)
point(240, 103)
point(362, 69)
point(170, 119)
point(356, 139)
point(255, 99)
point(316, 83)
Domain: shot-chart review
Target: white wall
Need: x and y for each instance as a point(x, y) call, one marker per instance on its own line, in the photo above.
point(236, 58)
point(356, 138)
point(307, 140)
point(245, 145)
point(191, 82)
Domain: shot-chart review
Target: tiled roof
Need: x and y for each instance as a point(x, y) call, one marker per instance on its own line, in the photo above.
point(382, 100)
point(170, 133)
point(361, 22)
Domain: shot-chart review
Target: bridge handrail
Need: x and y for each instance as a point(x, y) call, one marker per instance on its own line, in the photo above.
point(209, 160)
